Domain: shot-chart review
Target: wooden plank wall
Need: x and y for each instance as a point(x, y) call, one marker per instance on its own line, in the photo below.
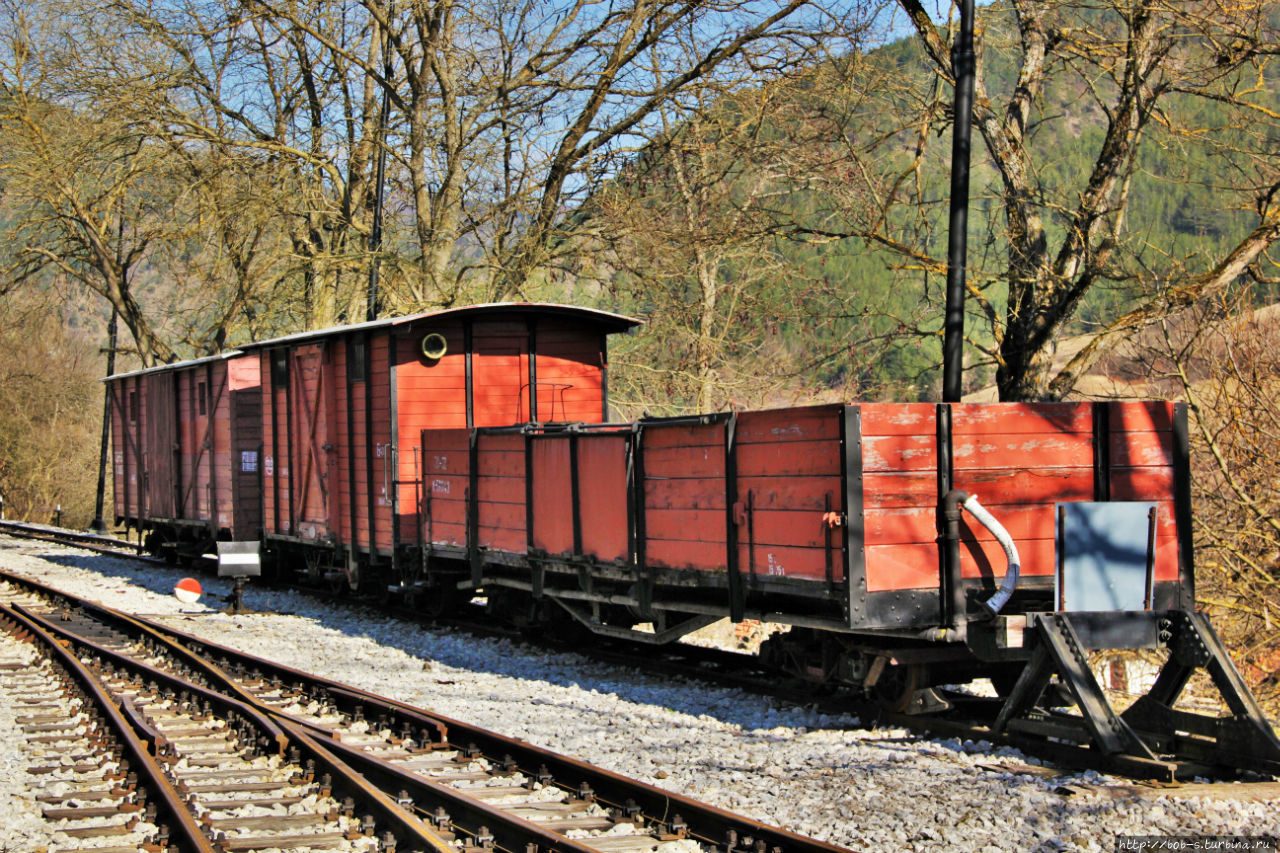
point(1143, 461)
point(348, 392)
point(218, 456)
point(1018, 460)
point(570, 372)
point(126, 429)
point(446, 457)
point(431, 394)
point(602, 495)
point(502, 519)
point(790, 464)
point(684, 496)
point(552, 474)
point(160, 420)
point(309, 383)
point(244, 397)
point(204, 472)
point(500, 372)
point(275, 452)
point(384, 471)
point(193, 470)
point(500, 490)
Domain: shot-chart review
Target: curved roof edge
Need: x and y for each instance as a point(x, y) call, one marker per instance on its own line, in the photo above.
point(611, 322)
point(176, 365)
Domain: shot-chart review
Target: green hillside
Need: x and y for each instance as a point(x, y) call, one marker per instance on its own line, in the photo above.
point(848, 315)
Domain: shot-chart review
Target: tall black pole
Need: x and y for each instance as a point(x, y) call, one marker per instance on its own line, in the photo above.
point(98, 525)
point(373, 305)
point(962, 64)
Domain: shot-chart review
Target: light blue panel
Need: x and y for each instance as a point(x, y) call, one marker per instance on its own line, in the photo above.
point(1103, 560)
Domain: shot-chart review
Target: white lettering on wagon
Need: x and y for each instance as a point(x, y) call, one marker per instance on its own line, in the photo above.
point(440, 487)
point(775, 568)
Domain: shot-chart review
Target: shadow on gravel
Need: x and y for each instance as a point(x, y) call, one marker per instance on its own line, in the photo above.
point(494, 656)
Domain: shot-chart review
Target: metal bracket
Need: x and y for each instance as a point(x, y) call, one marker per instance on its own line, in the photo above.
point(660, 638)
point(1059, 650)
point(1245, 739)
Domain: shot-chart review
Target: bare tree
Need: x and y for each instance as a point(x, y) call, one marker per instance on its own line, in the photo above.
point(501, 115)
point(50, 413)
point(1223, 358)
point(1057, 235)
point(690, 236)
point(184, 240)
point(82, 208)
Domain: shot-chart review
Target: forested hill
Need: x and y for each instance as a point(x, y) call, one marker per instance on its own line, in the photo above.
point(795, 236)
point(779, 221)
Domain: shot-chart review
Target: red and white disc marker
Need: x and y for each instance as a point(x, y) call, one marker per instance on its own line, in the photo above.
point(188, 590)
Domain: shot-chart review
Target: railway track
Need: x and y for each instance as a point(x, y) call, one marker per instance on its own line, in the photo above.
point(98, 784)
point(968, 718)
point(258, 756)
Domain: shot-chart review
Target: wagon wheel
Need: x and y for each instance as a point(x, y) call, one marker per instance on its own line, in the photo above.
point(339, 582)
point(898, 685)
point(311, 559)
point(1004, 678)
point(436, 601)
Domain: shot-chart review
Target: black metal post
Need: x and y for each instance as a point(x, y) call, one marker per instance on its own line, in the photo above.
point(962, 64)
point(374, 302)
point(98, 525)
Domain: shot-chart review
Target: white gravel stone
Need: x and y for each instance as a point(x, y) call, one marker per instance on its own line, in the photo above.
point(813, 773)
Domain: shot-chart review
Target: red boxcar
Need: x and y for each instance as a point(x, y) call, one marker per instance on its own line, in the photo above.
point(342, 410)
point(186, 439)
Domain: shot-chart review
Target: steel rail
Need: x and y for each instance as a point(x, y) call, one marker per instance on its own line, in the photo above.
point(509, 832)
point(168, 801)
point(412, 832)
point(712, 825)
point(99, 544)
point(705, 822)
point(674, 814)
point(1187, 757)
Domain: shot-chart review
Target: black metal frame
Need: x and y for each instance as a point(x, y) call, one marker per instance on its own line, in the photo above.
point(737, 594)
point(855, 538)
point(1182, 507)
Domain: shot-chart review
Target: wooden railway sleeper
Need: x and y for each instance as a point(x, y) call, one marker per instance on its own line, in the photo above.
point(479, 826)
point(163, 688)
point(167, 806)
point(428, 794)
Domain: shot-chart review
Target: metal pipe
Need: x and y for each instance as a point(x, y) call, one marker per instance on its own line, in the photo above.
point(962, 64)
point(1014, 562)
point(955, 606)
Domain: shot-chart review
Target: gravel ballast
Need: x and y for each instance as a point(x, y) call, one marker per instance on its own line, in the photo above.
point(812, 773)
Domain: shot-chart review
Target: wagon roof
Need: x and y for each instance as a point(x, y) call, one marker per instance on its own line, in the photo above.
point(177, 365)
point(609, 321)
